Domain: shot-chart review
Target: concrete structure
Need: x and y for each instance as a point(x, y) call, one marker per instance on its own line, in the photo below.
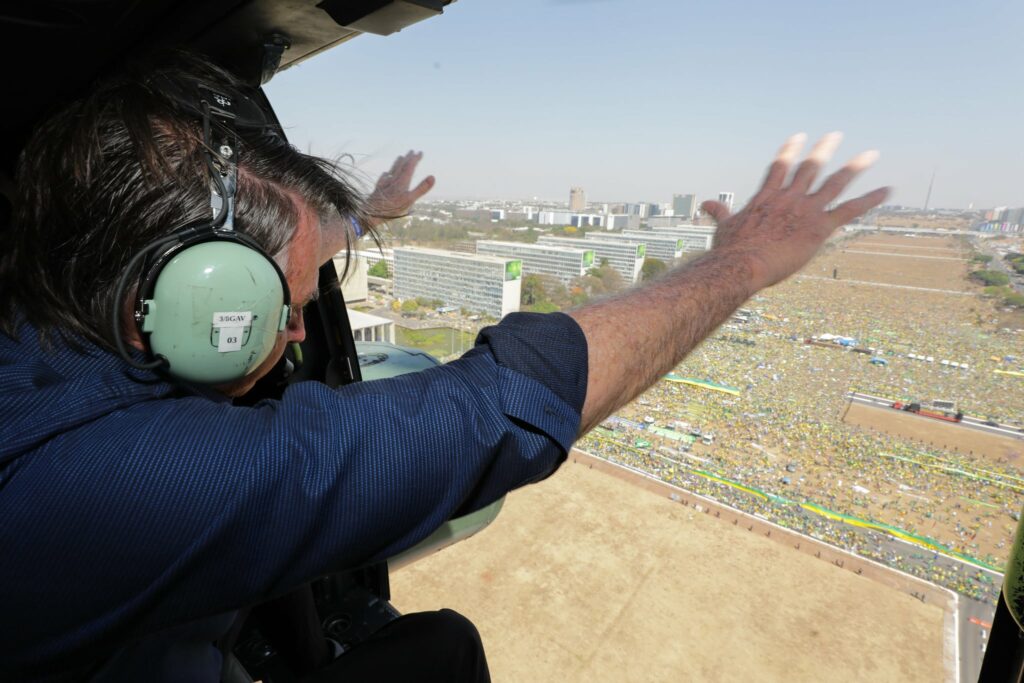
point(695, 237)
point(486, 284)
point(667, 221)
point(366, 327)
point(563, 262)
point(622, 221)
point(372, 256)
point(642, 209)
point(577, 199)
point(727, 199)
point(624, 256)
point(592, 220)
point(554, 217)
point(684, 205)
point(354, 286)
point(662, 247)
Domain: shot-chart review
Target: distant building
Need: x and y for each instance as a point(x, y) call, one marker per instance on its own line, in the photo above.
point(662, 247)
point(592, 220)
point(695, 237)
point(554, 217)
point(640, 209)
point(371, 256)
point(497, 214)
point(577, 200)
point(354, 285)
point(663, 221)
point(684, 205)
point(624, 256)
point(563, 262)
point(366, 327)
point(622, 221)
point(726, 198)
point(488, 284)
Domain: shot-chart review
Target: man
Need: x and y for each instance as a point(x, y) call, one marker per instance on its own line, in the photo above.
point(140, 512)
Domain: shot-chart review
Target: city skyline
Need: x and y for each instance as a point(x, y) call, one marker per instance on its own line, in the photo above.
point(496, 117)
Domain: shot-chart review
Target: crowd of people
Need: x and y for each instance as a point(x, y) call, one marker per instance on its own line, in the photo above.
point(784, 433)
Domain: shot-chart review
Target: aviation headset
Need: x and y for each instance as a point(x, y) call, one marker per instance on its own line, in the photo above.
point(210, 301)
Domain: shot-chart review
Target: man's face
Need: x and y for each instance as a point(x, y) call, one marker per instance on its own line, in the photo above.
point(301, 269)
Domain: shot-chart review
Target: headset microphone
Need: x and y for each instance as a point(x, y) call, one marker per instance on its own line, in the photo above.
point(210, 300)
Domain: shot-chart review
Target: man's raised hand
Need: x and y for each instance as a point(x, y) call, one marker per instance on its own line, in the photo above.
point(392, 197)
point(784, 225)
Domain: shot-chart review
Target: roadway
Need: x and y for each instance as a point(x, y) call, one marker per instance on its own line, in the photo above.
point(968, 421)
point(975, 622)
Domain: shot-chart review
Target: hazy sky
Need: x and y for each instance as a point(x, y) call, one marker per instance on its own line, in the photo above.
point(639, 99)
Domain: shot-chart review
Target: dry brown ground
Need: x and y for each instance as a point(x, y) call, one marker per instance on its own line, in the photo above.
point(937, 433)
point(930, 241)
point(585, 577)
point(892, 269)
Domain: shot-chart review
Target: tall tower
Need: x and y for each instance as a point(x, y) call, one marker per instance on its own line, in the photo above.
point(577, 200)
point(684, 205)
point(727, 199)
point(931, 183)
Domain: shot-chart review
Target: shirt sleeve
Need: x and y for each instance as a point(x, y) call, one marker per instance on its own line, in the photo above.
point(174, 509)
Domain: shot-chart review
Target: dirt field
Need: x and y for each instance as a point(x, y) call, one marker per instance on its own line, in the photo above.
point(937, 433)
point(586, 577)
point(912, 264)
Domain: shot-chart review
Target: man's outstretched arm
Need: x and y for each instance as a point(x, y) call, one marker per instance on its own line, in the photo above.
point(635, 338)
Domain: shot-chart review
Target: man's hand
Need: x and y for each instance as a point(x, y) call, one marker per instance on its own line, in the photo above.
point(637, 337)
point(783, 226)
point(392, 197)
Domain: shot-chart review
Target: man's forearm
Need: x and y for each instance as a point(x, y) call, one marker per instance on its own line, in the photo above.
point(637, 337)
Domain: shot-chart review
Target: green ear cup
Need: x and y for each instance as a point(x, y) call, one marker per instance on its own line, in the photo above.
point(215, 312)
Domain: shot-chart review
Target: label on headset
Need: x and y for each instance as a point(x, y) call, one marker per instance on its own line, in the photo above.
point(230, 327)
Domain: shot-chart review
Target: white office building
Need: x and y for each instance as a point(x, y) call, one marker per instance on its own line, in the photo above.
point(684, 205)
point(485, 284)
point(664, 247)
point(366, 327)
point(563, 262)
point(555, 217)
point(372, 256)
point(593, 220)
point(625, 256)
point(695, 237)
point(354, 285)
point(727, 199)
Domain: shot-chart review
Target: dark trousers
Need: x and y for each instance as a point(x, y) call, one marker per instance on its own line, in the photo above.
point(425, 647)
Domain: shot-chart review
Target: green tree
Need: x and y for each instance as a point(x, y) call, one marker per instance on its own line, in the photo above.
point(410, 306)
point(991, 277)
point(379, 269)
point(1014, 299)
point(652, 268)
point(533, 290)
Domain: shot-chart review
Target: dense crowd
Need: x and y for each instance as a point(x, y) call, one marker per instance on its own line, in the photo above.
point(784, 433)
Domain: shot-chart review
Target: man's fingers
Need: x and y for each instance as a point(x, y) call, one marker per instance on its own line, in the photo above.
point(412, 159)
point(819, 156)
point(837, 182)
point(399, 161)
point(717, 210)
point(855, 208)
point(425, 186)
point(779, 169)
